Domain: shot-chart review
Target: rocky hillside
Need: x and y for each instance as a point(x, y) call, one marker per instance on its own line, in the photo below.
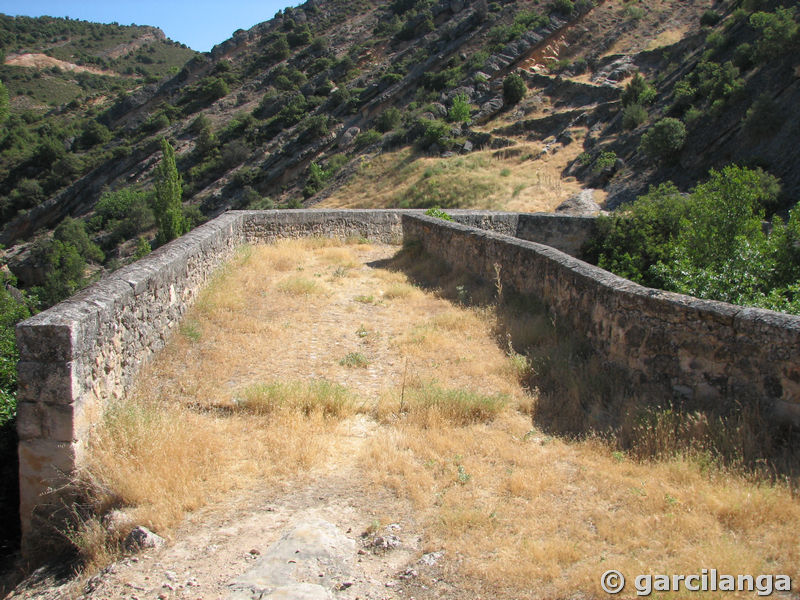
point(401, 103)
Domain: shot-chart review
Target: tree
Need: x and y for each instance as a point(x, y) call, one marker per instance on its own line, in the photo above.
point(664, 139)
point(167, 204)
point(514, 89)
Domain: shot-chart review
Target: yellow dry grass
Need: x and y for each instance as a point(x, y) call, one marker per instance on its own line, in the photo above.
point(254, 390)
point(525, 179)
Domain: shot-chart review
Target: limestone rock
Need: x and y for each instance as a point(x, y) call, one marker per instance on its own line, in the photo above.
point(349, 136)
point(142, 537)
point(313, 550)
point(581, 203)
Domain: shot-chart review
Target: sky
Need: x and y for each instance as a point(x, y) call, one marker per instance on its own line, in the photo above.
point(200, 24)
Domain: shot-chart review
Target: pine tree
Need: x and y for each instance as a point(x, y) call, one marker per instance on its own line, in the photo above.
point(167, 204)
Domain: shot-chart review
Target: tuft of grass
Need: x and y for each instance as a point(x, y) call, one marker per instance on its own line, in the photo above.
point(432, 406)
point(299, 286)
point(399, 290)
point(190, 330)
point(306, 398)
point(365, 299)
point(354, 360)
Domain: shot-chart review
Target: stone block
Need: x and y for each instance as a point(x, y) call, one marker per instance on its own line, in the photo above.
point(54, 422)
point(52, 383)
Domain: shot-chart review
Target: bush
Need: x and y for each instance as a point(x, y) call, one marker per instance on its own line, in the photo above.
point(459, 111)
point(777, 30)
point(637, 91)
point(639, 235)
point(710, 244)
point(633, 116)
point(514, 89)
point(605, 160)
point(664, 139)
point(438, 213)
point(366, 138)
point(436, 132)
point(565, 7)
point(717, 81)
point(93, 134)
point(744, 56)
point(764, 117)
point(710, 18)
point(389, 119)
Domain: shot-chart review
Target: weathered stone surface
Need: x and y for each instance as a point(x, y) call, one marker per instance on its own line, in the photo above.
point(311, 548)
point(581, 203)
point(141, 537)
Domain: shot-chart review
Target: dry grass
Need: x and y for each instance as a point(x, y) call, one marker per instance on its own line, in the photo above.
point(522, 180)
point(533, 516)
point(253, 391)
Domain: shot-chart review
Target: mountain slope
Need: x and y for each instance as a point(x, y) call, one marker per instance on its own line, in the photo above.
point(331, 97)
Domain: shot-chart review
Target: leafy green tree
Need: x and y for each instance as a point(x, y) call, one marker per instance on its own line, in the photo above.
point(73, 233)
point(709, 244)
point(514, 89)
point(142, 248)
point(629, 241)
point(727, 206)
point(167, 205)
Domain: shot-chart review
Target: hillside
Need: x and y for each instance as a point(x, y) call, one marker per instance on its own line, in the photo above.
point(318, 106)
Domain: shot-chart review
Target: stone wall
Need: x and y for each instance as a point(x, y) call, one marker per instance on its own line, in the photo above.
point(711, 354)
point(85, 351)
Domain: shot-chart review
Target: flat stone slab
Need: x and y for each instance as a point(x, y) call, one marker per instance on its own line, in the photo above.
point(309, 561)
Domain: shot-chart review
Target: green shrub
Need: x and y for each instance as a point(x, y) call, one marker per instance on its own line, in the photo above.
point(389, 119)
point(564, 7)
point(744, 56)
point(366, 138)
point(663, 140)
point(460, 110)
point(638, 91)
point(710, 18)
point(764, 117)
point(683, 94)
point(709, 244)
point(639, 235)
point(633, 116)
point(514, 89)
point(777, 31)
point(438, 213)
point(717, 81)
point(604, 161)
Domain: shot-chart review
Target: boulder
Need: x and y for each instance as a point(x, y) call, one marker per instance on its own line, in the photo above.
point(581, 204)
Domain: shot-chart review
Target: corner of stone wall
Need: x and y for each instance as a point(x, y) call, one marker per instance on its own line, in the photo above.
point(79, 354)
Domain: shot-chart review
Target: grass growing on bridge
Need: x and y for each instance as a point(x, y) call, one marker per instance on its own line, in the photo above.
point(257, 396)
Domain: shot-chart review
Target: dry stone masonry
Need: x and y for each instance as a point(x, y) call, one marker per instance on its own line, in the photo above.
point(81, 354)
